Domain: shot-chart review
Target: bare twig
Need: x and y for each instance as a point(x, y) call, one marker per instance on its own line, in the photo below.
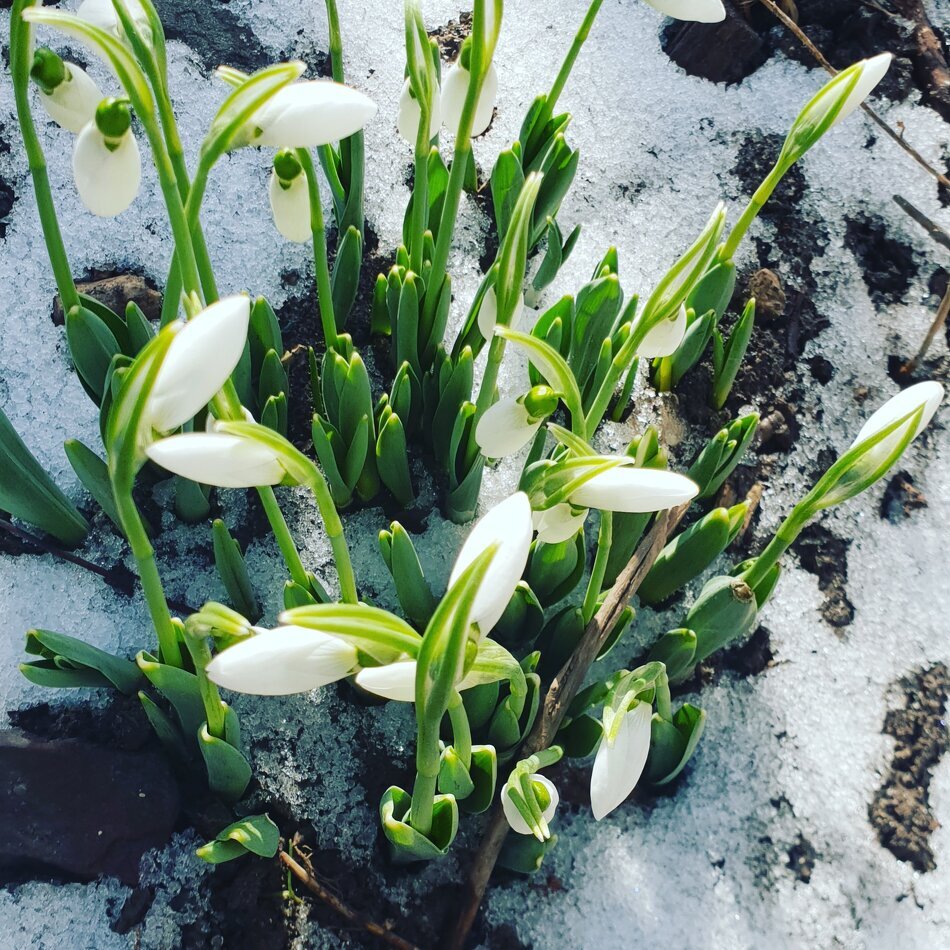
point(562, 690)
point(790, 24)
point(933, 229)
point(939, 323)
point(303, 871)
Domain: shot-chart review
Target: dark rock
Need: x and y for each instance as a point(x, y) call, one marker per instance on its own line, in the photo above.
point(801, 859)
point(900, 812)
point(901, 498)
point(83, 810)
point(822, 370)
point(115, 292)
point(721, 52)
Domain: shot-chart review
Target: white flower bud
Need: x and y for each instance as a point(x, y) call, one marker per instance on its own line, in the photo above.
point(506, 428)
point(559, 523)
point(699, 11)
point(107, 173)
point(513, 816)
point(488, 313)
point(407, 120)
point(629, 489)
point(664, 339)
point(218, 458)
point(290, 206)
point(72, 104)
point(619, 763)
point(454, 89)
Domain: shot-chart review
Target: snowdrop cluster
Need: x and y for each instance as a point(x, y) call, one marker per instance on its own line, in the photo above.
point(203, 399)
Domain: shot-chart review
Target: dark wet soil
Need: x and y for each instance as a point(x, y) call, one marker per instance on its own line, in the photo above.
point(901, 813)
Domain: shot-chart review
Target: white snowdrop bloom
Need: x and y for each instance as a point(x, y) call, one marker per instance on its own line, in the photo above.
point(72, 104)
point(872, 70)
point(199, 362)
point(664, 339)
point(559, 523)
point(508, 525)
point(488, 314)
point(397, 681)
point(407, 119)
point(309, 114)
point(629, 489)
point(454, 89)
point(283, 661)
point(619, 763)
point(513, 816)
point(107, 178)
point(290, 206)
point(102, 13)
point(218, 458)
point(506, 428)
point(699, 11)
point(927, 395)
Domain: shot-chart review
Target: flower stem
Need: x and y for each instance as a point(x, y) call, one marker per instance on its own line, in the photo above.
point(781, 541)
point(579, 39)
point(334, 529)
point(599, 570)
point(285, 541)
point(752, 209)
point(461, 730)
point(320, 259)
point(420, 195)
point(210, 697)
point(20, 56)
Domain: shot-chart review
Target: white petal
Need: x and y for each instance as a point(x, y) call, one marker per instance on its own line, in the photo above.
point(102, 13)
point(107, 181)
point(312, 113)
point(454, 88)
point(699, 11)
point(618, 767)
point(199, 362)
point(73, 103)
point(630, 489)
point(505, 429)
point(515, 821)
point(928, 394)
point(873, 72)
point(283, 661)
point(290, 207)
point(407, 119)
point(559, 523)
point(665, 337)
point(396, 681)
point(488, 314)
point(215, 458)
point(508, 524)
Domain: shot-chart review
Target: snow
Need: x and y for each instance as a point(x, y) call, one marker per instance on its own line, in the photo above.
point(796, 751)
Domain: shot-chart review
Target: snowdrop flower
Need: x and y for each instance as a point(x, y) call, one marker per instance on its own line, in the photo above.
point(454, 89)
point(199, 362)
point(309, 114)
point(629, 489)
point(283, 661)
point(508, 525)
point(620, 761)
point(547, 797)
point(290, 197)
point(664, 338)
point(510, 424)
point(488, 313)
point(218, 458)
point(397, 681)
point(106, 162)
point(410, 113)
point(699, 11)
point(69, 96)
point(101, 13)
point(559, 523)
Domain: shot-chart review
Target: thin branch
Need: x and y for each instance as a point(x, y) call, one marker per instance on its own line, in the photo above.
point(933, 229)
point(561, 692)
point(939, 323)
point(790, 24)
point(303, 871)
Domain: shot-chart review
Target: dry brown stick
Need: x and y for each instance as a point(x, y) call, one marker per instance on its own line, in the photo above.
point(933, 229)
point(790, 24)
point(311, 883)
point(562, 690)
point(939, 322)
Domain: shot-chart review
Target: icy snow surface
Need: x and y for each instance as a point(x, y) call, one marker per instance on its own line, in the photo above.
point(797, 750)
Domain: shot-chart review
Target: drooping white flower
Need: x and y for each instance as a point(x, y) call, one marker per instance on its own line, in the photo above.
point(454, 89)
point(283, 661)
point(699, 11)
point(619, 763)
point(488, 313)
point(309, 114)
point(199, 362)
point(513, 816)
point(664, 339)
point(290, 206)
point(510, 424)
point(507, 525)
point(72, 104)
point(630, 489)
point(397, 681)
point(107, 171)
point(407, 119)
point(102, 13)
point(218, 458)
point(559, 523)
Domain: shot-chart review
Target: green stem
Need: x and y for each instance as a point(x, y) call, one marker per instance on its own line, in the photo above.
point(599, 570)
point(423, 801)
point(752, 209)
point(664, 705)
point(336, 41)
point(461, 730)
point(420, 195)
point(320, 259)
point(285, 541)
point(781, 541)
point(144, 555)
point(621, 363)
point(579, 39)
point(210, 697)
point(334, 529)
point(486, 394)
point(20, 63)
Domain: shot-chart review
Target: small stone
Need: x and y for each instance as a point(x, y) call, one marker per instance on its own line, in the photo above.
point(115, 292)
point(770, 298)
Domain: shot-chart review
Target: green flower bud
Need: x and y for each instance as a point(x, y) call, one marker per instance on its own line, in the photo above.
point(113, 119)
point(48, 70)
